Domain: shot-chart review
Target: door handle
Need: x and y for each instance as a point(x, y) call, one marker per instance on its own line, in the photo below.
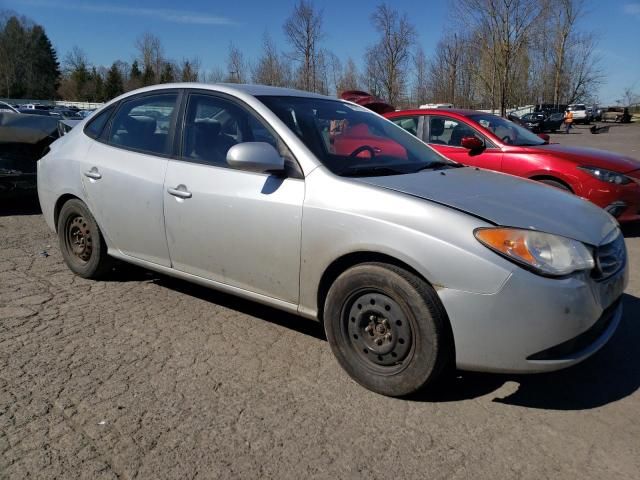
point(94, 174)
point(180, 191)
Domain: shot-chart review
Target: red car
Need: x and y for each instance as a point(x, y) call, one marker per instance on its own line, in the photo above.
point(609, 180)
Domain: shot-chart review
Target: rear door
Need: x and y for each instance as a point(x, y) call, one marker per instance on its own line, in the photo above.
point(235, 227)
point(123, 175)
point(445, 134)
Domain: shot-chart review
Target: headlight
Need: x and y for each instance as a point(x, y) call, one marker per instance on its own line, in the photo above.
point(542, 252)
point(606, 175)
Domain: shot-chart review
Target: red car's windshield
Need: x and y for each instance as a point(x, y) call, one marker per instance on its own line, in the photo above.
point(509, 132)
point(352, 141)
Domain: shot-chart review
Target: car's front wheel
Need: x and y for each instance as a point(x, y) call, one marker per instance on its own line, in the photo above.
point(81, 242)
point(387, 328)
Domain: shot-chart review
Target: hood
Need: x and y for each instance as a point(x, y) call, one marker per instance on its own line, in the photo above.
point(590, 156)
point(505, 200)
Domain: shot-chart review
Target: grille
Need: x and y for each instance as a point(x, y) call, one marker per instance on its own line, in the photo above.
point(610, 258)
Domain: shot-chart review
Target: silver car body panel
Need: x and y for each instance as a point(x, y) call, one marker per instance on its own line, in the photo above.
point(127, 199)
point(506, 200)
point(272, 240)
point(234, 221)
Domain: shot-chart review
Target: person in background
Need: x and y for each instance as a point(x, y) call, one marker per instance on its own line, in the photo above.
point(568, 120)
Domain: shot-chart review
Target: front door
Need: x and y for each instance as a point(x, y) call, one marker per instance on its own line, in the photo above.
point(231, 226)
point(123, 176)
point(445, 134)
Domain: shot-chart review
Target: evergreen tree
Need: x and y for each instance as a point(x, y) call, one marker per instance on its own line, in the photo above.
point(135, 76)
point(113, 85)
point(148, 76)
point(45, 69)
point(168, 73)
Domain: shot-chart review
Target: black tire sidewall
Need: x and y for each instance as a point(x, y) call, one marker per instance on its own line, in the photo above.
point(95, 265)
point(424, 316)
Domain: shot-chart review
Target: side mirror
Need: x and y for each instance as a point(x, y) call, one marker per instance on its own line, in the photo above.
point(259, 157)
point(544, 137)
point(472, 143)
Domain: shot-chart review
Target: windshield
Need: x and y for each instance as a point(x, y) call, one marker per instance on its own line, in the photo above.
point(509, 132)
point(351, 140)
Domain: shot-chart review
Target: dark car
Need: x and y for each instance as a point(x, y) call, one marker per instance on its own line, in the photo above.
point(23, 140)
point(616, 114)
point(541, 122)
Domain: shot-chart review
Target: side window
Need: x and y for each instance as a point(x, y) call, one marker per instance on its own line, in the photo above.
point(96, 125)
point(143, 123)
point(213, 125)
point(410, 124)
point(449, 131)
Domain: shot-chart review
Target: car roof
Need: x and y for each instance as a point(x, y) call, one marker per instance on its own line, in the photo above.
point(253, 90)
point(465, 112)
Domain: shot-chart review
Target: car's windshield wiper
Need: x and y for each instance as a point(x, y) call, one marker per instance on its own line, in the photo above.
point(370, 171)
point(438, 165)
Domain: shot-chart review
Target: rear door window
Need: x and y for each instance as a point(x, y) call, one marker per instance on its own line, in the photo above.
point(143, 123)
point(96, 125)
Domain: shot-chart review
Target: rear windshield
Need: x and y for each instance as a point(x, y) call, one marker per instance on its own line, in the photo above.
point(351, 140)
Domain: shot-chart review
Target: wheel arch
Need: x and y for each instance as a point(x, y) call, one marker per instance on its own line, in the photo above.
point(58, 207)
point(555, 178)
point(348, 260)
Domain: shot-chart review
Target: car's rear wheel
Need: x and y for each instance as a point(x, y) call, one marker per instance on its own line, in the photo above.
point(81, 242)
point(387, 328)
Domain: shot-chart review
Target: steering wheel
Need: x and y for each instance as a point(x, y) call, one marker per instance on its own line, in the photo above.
point(363, 148)
point(507, 139)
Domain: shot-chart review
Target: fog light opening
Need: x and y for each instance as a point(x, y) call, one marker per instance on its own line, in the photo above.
point(616, 208)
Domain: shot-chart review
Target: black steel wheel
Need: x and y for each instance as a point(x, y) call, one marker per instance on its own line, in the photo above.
point(387, 328)
point(81, 242)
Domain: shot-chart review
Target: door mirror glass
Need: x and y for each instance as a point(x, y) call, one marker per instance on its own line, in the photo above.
point(471, 143)
point(259, 157)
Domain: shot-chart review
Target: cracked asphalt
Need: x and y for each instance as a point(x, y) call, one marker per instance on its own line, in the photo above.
point(147, 377)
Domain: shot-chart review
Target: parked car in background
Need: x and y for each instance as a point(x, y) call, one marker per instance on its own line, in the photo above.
point(549, 108)
point(5, 107)
point(580, 113)
point(23, 140)
point(413, 263)
point(541, 122)
point(616, 114)
point(85, 113)
point(35, 111)
point(609, 180)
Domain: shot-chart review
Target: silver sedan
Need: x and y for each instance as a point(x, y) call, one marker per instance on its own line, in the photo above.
point(414, 264)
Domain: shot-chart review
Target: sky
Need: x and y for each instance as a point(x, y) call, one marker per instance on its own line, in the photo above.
point(107, 29)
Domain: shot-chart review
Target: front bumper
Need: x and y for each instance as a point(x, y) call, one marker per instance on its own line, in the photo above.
point(517, 329)
point(624, 198)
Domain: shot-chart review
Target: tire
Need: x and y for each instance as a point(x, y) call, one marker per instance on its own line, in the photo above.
point(81, 242)
point(556, 184)
point(387, 329)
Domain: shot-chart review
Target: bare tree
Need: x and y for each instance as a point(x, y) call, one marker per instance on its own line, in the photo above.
point(584, 67)
point(504, 26)
point(189, 70)
point(630, 96)
point(236, 66)
point(270, 68)
point(150, 55)
point(420, 84)
point(75, 59)
point(303, 30)
point(349, 79)
point(215, 76)
point(567, 12)
point(388, 60)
